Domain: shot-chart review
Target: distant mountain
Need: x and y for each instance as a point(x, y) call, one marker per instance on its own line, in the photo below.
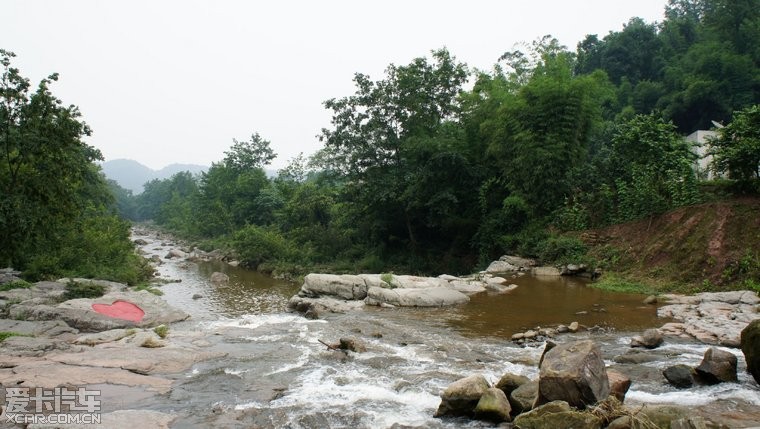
point(132, 175)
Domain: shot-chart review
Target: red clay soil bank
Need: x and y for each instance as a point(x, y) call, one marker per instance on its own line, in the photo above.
point(120, 310)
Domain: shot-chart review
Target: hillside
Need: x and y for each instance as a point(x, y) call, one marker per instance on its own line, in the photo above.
point(711, 246)
point(132, 175)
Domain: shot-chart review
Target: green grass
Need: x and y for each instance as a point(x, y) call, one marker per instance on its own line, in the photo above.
point(17, 284)
point(148, 288)
point(388, 278)
point(6, 334)
point(616, 283)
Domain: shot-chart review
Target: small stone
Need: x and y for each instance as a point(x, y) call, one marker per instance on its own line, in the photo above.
point(562, 329)
point(573, 327)
point(197, 296)
point(518, 336)
point(650, 300)
point(650, 339)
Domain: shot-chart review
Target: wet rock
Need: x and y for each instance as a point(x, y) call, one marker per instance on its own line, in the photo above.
point(650, 339)
point(175, 253)
point(197, 296)
point(562, 329)
point(509, 382)
point(750, 344)
point(575, 373)
point(522, 398)
point(557, 414)
point(140, 242)
point(680, 376)
point(352, 344)
point(462, 396)
point(619, 384)
point(317, 306)
point(662, 416)
point(340, 286)
point(219, 278)
point(549, 345)
point(493, 406)
point(422, 297)
point(650, 300)
point(717, 366)
point(636, 357)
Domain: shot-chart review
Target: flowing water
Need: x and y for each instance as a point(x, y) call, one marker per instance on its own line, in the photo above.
point(277, 374)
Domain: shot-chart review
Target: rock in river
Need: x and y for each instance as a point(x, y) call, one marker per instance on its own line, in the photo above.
point(574, 373)
point(462, 396)
point(750, 342)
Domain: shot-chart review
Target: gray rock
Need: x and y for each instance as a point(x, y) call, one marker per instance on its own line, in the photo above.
point(47, 328)
point(493, 406)
point(103, 337)
point(518, 261)
point(717, 366)
point(557, 414)
point(462, 396)
point(650, 339)
point(352, 344)
point(636, 357)
point(323, 305)
point(750, 344)
point(427, 297)
point(219, 278)
point(522, 398)
point(575, 373)
point(124, 419)
point(78, 313)
point(467, 287)
point(509, 382)
point(619, 384)
point(338, 286)
point(498, 267)
point(31, 346)
point(547, 271)
point(680, 376)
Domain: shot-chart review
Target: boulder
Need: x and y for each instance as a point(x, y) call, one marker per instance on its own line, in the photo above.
point(518, 261)
point(219, 278)
point(462, 396)
point(574, 373)
point(619, 384)
point(650, 339)
point(79, 313)
point(500, 288)
point(323, 305)
point(547, 271)
point(717, 366)
point(426, 297)
point(493, 406)
point(557, 414)
point(680, 376)
point(522, 398)
point(750, 343)
point(341, 286)
point(352, 344)
point(467, 287)
point(497, 267)
point(175, 253)
point(509, 382)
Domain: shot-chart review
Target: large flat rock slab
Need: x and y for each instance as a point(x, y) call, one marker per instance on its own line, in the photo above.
point(79, 313)
point(422, 297)
point(122, 419)
point(48, 374)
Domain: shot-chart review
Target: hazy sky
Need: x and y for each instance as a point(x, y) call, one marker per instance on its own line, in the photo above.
point(165, 81)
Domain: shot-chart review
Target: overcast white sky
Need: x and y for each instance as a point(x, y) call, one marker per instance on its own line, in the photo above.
point(174, 81)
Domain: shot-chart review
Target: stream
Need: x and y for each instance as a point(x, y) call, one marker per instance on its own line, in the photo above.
point(277, 374)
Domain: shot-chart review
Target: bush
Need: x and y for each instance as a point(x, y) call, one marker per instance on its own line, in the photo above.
point(16, 284)
point(562, 250)
point(255, 244)
point(76, 290)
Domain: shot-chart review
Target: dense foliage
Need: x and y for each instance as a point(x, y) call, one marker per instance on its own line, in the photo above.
point(436, 168)
point(55, 206)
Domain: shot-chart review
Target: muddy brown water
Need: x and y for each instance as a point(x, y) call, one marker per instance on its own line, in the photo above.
point(537, 301)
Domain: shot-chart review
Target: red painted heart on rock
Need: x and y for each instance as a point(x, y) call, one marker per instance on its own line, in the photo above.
point(120, 310)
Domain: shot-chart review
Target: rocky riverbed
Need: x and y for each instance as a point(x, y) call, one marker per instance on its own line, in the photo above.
point(241, 360)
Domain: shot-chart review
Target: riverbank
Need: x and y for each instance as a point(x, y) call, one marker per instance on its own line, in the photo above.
point(241, 361)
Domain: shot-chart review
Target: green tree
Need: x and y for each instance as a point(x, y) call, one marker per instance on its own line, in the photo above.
point(736, 150)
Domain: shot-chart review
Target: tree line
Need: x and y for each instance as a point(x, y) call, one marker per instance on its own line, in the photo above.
point(435, 167)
